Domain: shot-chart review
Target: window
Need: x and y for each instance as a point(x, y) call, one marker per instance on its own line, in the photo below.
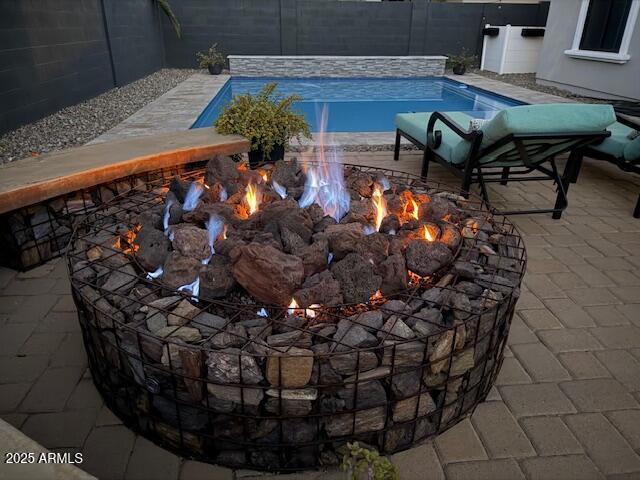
point(604, 30)
point(604, 25)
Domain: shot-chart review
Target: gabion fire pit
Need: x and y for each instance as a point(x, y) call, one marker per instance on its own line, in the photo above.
point(264, 318)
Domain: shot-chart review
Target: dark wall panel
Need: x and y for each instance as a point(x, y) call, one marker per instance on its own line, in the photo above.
point(337, 27)
point(353, 28)
point(136, 38)
point(53, 53)
point(238, 26)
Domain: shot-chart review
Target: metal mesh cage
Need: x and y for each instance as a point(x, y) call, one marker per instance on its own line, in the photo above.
point(38, 233)
point(286, 390)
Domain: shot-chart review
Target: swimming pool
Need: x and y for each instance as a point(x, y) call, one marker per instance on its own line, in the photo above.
point(365, 104)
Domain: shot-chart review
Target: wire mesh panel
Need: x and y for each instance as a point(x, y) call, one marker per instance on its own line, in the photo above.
point(229, 380)
point(38, 233)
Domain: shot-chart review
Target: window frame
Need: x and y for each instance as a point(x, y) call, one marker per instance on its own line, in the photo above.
point(622, 56)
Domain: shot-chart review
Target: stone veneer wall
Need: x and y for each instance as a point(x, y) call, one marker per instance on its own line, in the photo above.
point(336, 66)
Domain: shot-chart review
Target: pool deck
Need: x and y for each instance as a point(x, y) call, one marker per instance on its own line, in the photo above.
point(566, 403)
point(179, 108)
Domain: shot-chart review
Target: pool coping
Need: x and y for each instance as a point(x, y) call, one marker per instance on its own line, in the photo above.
point(180, 107)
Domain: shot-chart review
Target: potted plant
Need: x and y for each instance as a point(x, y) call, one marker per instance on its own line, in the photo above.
point(268, 121)
point(460, 63)
point(212, 59)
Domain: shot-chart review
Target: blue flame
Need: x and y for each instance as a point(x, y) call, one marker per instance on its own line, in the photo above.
point(196, 189)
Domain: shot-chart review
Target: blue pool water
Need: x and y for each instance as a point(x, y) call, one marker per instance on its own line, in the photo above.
point(365, 104)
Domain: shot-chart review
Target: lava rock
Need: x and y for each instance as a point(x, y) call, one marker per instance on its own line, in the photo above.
point(321, 289)
point(191, 241)
point(314, 257)
point(343, 238)
point(153, 248)
point(437, 209)
point(286, 174)
point(180, 270)
point(357, 278)
point(268, 274)
point(390, 224)
point(394, 274)
point(374, 247)
point(216, 280)
point(221, 168)
point(426, 258)
point(450, 236)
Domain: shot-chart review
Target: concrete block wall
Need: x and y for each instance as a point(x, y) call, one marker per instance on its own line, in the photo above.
point(53, 53)
point(336, 66)
point(56, 53)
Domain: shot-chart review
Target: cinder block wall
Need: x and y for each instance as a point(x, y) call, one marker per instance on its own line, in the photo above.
point(55, 53)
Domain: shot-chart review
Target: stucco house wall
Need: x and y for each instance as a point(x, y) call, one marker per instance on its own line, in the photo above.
point(582, 76)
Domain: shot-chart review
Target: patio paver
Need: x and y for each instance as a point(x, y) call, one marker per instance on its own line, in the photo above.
point(564, 378)
point(565, 406)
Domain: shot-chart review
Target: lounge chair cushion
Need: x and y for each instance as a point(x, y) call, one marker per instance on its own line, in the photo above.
point(616, 144)
point(544, 118)
point(632, 151)
point(548, 118)
point(452, 148)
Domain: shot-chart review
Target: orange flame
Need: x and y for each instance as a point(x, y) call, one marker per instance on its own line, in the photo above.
point(252, 198)
point(242, 167)
point(264, 175)
point(376, 296)
point(294, 309)
point(429, 233)
point(125, 241)
point(224, 232)
point(411, 208)
point(380, 205)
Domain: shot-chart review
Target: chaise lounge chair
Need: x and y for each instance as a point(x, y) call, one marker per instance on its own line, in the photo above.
point(619, 149)
point(517, 141)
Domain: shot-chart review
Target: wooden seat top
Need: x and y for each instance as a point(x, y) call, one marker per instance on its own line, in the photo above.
point(36, 179)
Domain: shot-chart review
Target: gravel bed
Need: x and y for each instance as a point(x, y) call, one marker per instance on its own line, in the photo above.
point(81, 123)
point(528, 80)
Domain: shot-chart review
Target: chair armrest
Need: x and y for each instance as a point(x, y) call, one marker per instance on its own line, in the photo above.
point(435, 137)
point(629, 121)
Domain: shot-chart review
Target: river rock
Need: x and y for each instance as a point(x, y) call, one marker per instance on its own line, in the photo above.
point(412, 407)
point(350, 335)
point(395, 328)
point(208, 323)
point(224, 366)
point(183, 313)
point(369, 420)
point(347, 363)
point(291, 369)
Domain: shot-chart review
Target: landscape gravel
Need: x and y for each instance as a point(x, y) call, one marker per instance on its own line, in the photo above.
point(81, 123)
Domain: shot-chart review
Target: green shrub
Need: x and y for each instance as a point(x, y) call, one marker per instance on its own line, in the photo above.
point(264, 119)
point(211, 57)
point(359, 460)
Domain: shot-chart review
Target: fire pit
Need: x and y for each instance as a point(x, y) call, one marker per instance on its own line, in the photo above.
point(264, 318)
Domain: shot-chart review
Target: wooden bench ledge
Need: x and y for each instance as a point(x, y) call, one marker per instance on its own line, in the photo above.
point(33, 180)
